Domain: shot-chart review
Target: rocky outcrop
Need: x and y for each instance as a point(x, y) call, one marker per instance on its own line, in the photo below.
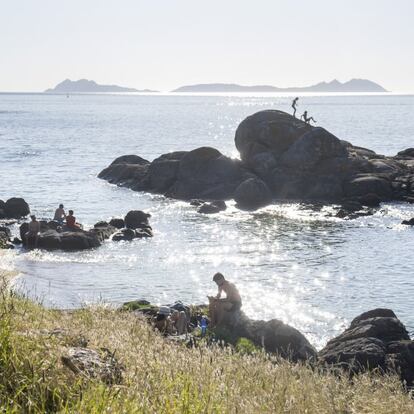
point(375, 340)
point(54, 237)
point(101, 365)
point(212, 207)
point(14, 208)
point(282, 159)
point(273, 335)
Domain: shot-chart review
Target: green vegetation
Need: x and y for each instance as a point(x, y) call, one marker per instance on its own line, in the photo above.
point(164, 377)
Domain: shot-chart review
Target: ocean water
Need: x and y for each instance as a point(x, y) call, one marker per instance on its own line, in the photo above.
point(289, 261)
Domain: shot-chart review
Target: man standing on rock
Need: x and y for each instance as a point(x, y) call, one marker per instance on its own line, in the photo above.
point(294, 103)
point(218, 307)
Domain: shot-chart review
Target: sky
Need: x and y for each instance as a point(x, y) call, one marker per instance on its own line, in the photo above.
point(164, 44)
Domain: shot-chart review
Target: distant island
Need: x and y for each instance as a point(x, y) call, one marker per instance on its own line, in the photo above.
point(85, 85)
point(354, 85)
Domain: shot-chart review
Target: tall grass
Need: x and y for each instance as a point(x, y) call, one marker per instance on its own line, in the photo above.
point(163, 377)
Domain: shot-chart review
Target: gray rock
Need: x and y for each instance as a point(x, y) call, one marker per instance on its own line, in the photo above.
point(274, 336)
point(296, 161)
point(213, 207)
point(136, 219)
point(100, 365)
point(369, 184)
point(118, 223)
point(252, 194)
point(206, 173)
point(375, 340)
point(268, 131)
point(312, 148)
point(16, 208)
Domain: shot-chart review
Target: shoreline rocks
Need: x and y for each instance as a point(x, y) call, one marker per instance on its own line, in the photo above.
point(375, 340)
point(282, 159)
point(54, 236)
point(14, 208)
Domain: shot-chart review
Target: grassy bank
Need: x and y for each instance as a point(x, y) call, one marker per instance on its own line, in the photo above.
point(162, 377)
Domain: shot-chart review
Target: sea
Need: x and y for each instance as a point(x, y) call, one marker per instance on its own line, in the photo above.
point(289, 261)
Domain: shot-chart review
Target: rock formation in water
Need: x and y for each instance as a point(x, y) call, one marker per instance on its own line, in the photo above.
point(14, 208)
point(375, 340)
point(282, 159)
point(52, 236)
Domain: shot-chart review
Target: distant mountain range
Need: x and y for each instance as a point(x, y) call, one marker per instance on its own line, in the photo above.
point(84, 85)
point(354, 85)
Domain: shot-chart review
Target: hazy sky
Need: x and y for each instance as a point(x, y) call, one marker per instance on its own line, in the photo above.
point(168, 43)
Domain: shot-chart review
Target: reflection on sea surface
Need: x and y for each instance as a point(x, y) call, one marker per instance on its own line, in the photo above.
point(291, 261)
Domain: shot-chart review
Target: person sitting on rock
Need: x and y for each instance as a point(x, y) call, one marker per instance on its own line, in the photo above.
point(60, 214)
point(306, 118)
point(294, 103)
point(179, 322)
point(71, 221)
point(218, 307)
point(33, 232)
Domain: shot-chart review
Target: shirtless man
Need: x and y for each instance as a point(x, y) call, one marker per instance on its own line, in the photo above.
point(33, 233)
point(60, 214)
point(218, 306)
point(294, 103)
point(306, 118)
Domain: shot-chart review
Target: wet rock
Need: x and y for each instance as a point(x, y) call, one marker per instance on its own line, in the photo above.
point(408, 222)
point(369, 184)
point(375, 340)
point(252, 194)
point(118, 223)
point(5, 232)
point(213, 207)
point(296, 161)
point(61, 238)
point(136, 219)
point(370, 200)
point(100, 365)
point(15, 208)
point(127, 170)
point(196, 202)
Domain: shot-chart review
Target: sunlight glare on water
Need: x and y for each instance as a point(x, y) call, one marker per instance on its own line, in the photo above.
point(290, 261)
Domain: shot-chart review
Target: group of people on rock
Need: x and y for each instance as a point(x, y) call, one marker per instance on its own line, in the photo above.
point(221, 309)
point(60, 217)
point(304, 116)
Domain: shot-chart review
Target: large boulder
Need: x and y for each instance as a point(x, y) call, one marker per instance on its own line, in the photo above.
point(54, 237)
point(375, 340)
point(212, 207)
point(15, 208)
point(274, 336)
point(128, 171)
point(136, 219)
point(101, 365)
point(252, 193)
point(311, 148)
point(268, 132)
point(163, 171)
point(206, 173)
point(294, 161)
point(369, 184)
